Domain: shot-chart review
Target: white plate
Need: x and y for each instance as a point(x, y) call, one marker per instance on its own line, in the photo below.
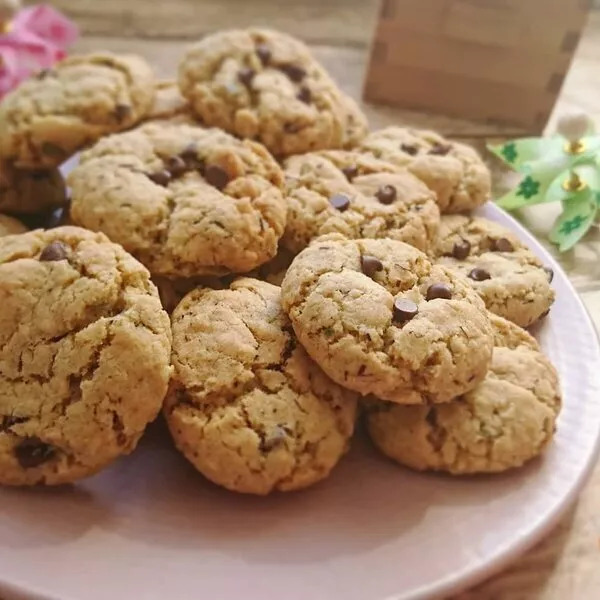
point(150, 528)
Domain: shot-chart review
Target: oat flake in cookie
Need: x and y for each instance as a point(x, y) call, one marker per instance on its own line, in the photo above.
point(266, 85)
point(247, 407)
point(55, 113)
point(84, 355)
point(380, 318)
point(454, 171)
point(510, 279)
point(184, 200)
point(508, 419)
point(357, 196)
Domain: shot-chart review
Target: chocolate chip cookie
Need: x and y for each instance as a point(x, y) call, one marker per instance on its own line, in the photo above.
point(267, 86)
point(184, 200)
point(84, 355)
point(30, 192)
point(52, 115)
point(247, 407)
point(512, 281)
point(454, 171)
point(10, 226)
point(169, 104)
point(379, 318)
point(508, 419)
point(357, 196)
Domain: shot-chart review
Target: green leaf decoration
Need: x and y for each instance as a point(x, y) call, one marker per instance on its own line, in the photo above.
point(577, 217)
point(528, 188)
point(518, 152)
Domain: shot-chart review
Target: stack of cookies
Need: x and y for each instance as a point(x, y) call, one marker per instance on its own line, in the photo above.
point(308, 267)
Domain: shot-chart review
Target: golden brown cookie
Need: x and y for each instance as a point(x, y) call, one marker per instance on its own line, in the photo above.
point(508, 419)
point(454, 171)
point(510, 279)
point(84, 355)
point(357, 196)
point(265, 85)
point(379, 318)
point(184, 200)
point(54, 114)
point(246, 406)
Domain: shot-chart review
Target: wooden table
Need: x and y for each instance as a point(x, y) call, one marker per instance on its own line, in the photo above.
point(566, 566)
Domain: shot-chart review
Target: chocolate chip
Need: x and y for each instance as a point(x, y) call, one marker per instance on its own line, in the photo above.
point(274, 438)
point(479, 274)
point(502, 245)
point(461, 249)
point(550, 273)
point(176, 166)
point(350, 172)
point(32, 452)
point(440, 149)
point(404, 310)
point(190, 152)
point(216, 176)
point(264, 53)
point(409, 149)
point(294, 72)
point(438, 290)
point(386, 194)
point(161, 177)
point(304, 95)
point(246, 75)
point(340, 202)
point(54, 251)
point(43, 73)
point(122, 112)
point(370, 265)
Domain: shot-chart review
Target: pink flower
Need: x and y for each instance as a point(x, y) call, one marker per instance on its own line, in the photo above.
point(37, 39)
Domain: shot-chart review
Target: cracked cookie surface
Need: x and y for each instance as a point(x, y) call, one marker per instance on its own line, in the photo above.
point(84, 355)
point(508, 419)
point(356, 196)
point(454, 171)
point(265, 85)
point(10, 226)
point(510, 279)
point(54, 114)
point(184, 200)
point(247, 406)
point(380, 319)
point(29, 192)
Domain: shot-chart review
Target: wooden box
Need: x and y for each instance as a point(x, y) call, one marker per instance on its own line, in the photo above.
point(500, 61)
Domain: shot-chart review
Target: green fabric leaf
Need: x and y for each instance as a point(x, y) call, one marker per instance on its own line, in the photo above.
point(515, 153)
point(577, 217)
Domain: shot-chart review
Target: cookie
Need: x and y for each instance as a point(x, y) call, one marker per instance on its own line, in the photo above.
point(356, 196)
point(507, 420)
point(512, 281)
point(265, 85)
point(184, 200)
point(379, 318)
point(30, 192)
point(84, 355)
point(10, 226)
point(247, 407)
point(169, 104)
point(54, 114)
point(454, 171)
